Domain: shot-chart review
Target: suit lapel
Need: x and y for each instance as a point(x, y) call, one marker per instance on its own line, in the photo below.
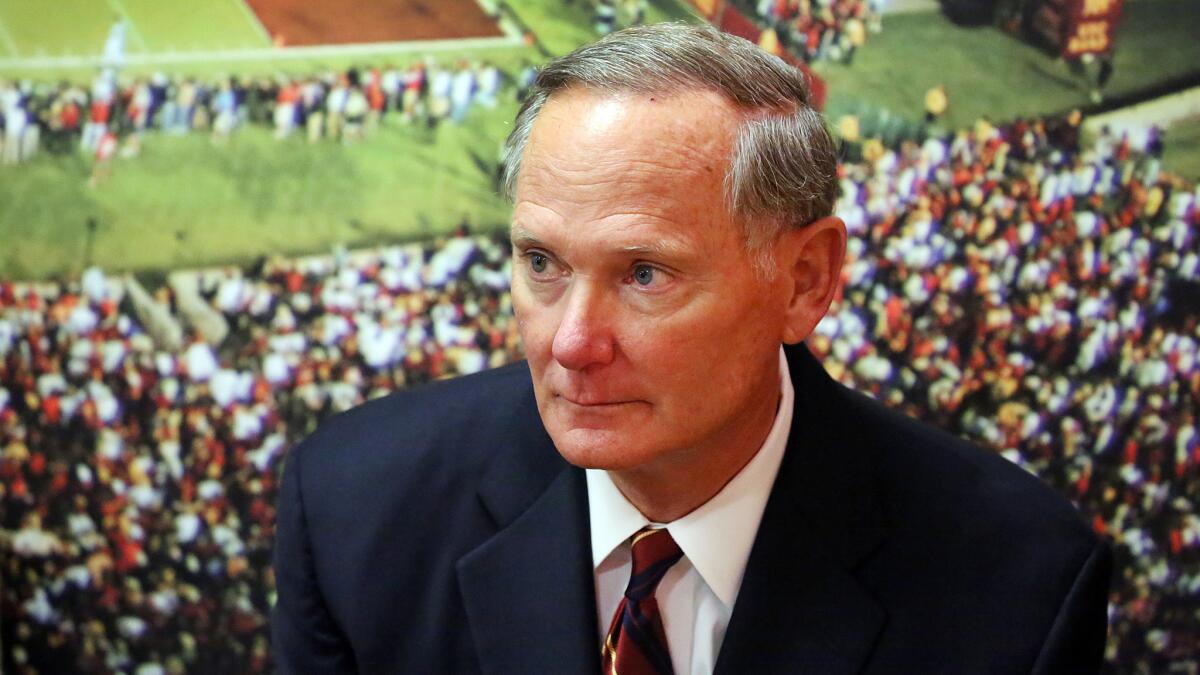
point(800, 608)
point(528, 591)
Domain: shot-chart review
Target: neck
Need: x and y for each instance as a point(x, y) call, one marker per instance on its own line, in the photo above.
point(676, 486)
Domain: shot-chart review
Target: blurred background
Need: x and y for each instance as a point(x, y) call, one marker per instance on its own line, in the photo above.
point(223, 221)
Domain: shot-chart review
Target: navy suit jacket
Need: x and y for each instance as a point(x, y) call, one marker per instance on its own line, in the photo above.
point(438, 530)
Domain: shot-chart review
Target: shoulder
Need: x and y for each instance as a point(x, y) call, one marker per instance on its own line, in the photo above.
point(377, 505)
point(918, 473)
point(972, 545)
point(959, 472)
point(933, 478)
point(933, 495)
point(450, 425)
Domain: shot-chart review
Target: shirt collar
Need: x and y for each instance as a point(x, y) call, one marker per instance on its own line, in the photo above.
point(718, 535)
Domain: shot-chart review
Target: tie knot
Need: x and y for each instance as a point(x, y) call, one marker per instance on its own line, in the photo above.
point(654, 552)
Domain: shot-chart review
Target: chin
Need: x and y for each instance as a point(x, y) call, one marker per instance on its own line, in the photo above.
point(601, 448)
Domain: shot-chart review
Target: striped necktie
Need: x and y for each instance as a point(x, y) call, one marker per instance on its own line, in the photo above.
point(636, 643)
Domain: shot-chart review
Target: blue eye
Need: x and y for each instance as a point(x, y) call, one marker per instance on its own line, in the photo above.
point(538, 262)
point(643, 274)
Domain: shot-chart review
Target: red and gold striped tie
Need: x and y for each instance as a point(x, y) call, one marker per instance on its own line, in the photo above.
point(636, 643)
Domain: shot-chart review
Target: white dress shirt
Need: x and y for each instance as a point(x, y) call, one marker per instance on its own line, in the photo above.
point(696, 596)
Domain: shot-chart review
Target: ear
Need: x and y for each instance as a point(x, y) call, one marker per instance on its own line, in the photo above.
point(810, 261)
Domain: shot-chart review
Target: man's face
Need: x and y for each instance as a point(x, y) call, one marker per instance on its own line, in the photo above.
point(651, 339)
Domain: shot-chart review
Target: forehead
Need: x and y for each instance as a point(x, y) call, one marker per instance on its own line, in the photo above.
point(635, 151)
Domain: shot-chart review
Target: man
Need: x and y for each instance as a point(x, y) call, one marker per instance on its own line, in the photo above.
point(661, 487)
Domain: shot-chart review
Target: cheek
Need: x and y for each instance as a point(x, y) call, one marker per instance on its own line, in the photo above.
point(677, 355)
point(534, 323)
point(722, 330)
point(716, 347)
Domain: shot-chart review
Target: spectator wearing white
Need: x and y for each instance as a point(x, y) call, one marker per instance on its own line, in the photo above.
point(15, 122)
point(462, 92)
point(441, 85)
point(489, 85)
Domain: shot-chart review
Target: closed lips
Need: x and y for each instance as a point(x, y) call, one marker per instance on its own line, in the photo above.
point(589, 402)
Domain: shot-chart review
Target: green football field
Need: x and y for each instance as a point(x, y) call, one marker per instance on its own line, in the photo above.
point(188, 202)
point(76, 27)
point(184, 202)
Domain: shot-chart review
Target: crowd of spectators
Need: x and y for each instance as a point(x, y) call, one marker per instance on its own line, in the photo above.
point(112, 114)
point(1007, 283)
point(139, 484)
point(1043, 299)
point(820, 30)
point(342, 105)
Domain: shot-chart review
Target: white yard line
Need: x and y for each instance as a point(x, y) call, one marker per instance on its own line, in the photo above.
point(119, 8)
point(8, 41)
point(265, 54)
point(254, 20)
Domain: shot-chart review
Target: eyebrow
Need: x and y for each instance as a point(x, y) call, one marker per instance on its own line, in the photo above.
point(664, 249)
point(523, 238)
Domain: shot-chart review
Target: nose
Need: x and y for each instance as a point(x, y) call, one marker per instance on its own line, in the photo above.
point(584, 337)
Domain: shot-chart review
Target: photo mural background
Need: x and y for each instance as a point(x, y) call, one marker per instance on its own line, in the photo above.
point(222, 222)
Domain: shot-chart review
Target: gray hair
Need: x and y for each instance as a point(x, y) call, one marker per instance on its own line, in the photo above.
point(782, 172)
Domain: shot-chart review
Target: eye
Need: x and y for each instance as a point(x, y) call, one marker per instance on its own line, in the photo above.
point(541, 266)
point(644, 274)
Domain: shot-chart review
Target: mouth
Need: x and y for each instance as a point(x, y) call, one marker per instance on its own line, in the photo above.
point(592, 403)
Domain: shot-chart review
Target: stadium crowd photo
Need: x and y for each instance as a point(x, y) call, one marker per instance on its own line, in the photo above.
point(1029, 283)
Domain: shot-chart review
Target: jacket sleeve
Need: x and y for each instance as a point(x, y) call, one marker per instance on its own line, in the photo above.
point(1076, 640)
point(305, 638)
